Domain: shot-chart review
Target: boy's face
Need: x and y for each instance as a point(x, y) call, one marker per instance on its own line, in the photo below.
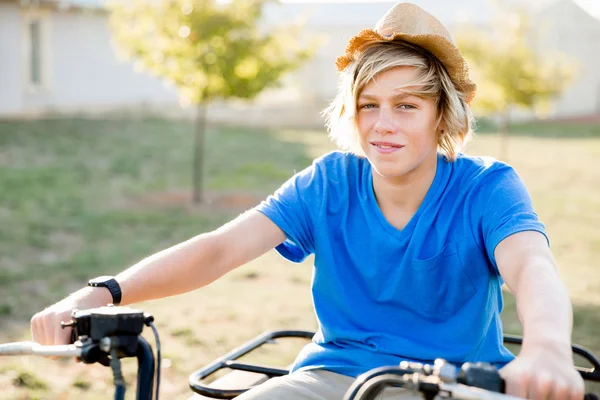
point(397, 132)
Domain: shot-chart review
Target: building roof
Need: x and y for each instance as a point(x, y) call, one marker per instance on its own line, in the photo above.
point(94, 4)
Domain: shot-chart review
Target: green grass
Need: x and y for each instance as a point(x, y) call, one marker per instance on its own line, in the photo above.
point(69, 205)
point(558, 129)
point(82, 198)
point(549, 129)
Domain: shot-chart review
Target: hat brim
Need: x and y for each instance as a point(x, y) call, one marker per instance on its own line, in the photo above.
point(440, 47)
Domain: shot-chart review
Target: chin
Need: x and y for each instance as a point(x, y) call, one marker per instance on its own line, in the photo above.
point(389, 169)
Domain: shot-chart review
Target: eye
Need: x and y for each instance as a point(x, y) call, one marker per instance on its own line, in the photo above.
point(367, 106)
point(407, 106)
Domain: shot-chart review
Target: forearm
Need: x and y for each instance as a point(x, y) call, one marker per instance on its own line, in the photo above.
point(178, 269)
point(191, 264)
point(543, 305)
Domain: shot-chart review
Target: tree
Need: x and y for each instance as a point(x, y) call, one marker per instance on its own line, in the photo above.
point(209, 50)
point(508, 68)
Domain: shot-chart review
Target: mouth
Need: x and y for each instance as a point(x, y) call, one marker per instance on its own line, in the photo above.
point(386, 147)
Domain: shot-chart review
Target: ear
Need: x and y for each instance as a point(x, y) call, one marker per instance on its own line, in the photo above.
point(442, 128)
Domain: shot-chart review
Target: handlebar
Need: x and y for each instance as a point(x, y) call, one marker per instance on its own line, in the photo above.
point(104, 335)
point(456, 391)
point(36, 349)
point(107, 334)
point(473, 381)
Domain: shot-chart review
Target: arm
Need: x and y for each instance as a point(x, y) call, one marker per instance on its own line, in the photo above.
point(179, 269)
point(287, 214)
point(529, 270)
point(200, 260)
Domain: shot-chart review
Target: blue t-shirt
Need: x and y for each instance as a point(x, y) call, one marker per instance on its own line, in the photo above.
point(383, 295)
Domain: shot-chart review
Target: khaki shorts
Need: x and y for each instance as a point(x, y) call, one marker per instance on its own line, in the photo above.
point(315, 385)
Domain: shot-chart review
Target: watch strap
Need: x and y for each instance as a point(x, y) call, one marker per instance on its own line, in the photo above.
point(113, 287)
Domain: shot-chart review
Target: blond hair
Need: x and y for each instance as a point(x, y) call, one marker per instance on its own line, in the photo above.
point(433, 82)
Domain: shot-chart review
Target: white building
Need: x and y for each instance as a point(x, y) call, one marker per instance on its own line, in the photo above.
point(55, 59)
point(569, 29)
point(56, 56)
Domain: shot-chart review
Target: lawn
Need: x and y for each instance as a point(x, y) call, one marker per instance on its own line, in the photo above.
point(82, 198)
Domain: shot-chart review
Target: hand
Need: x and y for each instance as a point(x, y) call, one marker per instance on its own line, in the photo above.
point(45, 325)
point(543, 372)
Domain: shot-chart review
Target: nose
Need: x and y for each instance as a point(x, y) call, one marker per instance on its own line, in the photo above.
point(385, 122)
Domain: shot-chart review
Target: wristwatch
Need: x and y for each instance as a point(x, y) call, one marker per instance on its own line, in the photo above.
point(111, 284)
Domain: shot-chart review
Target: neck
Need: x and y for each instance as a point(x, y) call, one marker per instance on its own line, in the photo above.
point(406, 192)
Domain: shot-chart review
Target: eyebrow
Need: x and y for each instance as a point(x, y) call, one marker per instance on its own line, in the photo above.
point(395, 97)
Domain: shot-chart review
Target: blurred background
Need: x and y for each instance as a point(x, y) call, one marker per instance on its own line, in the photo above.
point(129, 126)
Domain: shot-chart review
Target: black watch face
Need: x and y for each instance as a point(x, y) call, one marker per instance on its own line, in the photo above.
point(100, 279)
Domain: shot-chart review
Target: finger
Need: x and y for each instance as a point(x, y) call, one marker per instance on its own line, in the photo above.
point(578, 394)
point(577, 389)
point(518, 387)
point(562, 391)
point(41, 331)
point(62, 336)
point(48, 330)
point(35, 329)
point(57, 334)
point(542, 388)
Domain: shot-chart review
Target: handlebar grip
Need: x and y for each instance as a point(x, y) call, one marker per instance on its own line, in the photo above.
point(590, 396)
point(481, 375)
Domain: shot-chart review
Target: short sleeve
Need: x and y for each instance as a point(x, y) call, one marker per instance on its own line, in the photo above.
point(508, 209)
point(294, 208)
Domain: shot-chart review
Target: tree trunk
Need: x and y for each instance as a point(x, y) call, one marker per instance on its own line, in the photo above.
point(504, 126)
point(198, 173)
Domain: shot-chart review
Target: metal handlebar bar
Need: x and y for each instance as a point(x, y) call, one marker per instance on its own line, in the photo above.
point(36, 349)
point(457, 391)
point(473, 381)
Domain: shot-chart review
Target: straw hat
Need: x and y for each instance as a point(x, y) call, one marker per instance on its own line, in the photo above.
point(412, 24)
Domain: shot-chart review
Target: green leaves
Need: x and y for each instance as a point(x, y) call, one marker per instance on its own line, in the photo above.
point(209, 50)
point(507, 67)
